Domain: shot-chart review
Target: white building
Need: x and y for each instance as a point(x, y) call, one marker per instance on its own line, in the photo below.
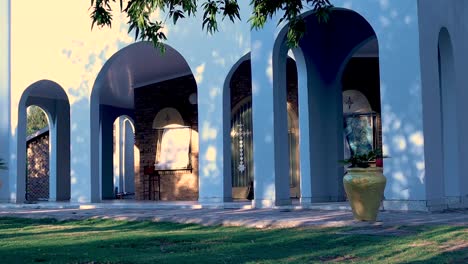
point(85, 80)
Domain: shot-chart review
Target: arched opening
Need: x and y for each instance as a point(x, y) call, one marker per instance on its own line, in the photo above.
point(332, 58)
point(449, 127)
point(141, 83)
point(241, 130)
point(361, 100)
point(44, 147)
point(37, 145)
point(294, 154)
point(125, 157)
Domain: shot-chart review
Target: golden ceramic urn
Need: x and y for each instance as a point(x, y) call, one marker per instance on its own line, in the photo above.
point(365, 189)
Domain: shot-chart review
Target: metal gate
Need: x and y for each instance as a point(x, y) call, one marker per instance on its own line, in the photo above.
point(242, 146)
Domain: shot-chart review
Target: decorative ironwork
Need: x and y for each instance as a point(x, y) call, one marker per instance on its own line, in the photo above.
point(241, 133)
point(242, 147)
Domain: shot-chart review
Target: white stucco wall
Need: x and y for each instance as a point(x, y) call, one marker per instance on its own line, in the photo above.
point(453, 16)
point(396, 26)
point(60, 46)
point(4, 95)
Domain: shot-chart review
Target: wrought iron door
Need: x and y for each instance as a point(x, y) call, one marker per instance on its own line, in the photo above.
point(242, 146)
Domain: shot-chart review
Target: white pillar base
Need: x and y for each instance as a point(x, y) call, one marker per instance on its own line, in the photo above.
point(406, 205)
point(270, 203)
point(214, 200)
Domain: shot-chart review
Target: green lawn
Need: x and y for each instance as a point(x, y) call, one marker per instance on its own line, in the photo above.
point(106, 241)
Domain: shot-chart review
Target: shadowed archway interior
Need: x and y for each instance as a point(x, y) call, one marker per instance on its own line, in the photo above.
point(241, 130)
point(137, 82)
point(325, 52)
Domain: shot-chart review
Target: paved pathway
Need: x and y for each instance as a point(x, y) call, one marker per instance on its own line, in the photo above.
point(259, 218)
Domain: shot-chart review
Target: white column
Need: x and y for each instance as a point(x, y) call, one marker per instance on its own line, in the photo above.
point(18, 151)
point(304, 127)
point(324, 141)
point(214, 182)
point(84, 170)
point(53, 157)
point(62, 149)
point(129, 158)
point(270, 131)
point(123, 151)
point(117, 153)
point(4, 96)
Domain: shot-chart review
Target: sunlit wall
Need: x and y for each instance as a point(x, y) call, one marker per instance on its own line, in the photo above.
point(396, 26)
point(54, 44)
point(444, 62)
point(51, 43)
point(4, 96)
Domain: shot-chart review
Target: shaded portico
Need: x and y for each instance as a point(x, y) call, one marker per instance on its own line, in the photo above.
point(139, 81)
point(321, 58)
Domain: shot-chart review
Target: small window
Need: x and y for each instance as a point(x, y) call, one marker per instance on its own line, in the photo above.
point(173, 141)
point(360, 124)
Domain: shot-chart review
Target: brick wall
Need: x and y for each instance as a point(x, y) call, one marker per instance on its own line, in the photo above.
point(37, 187)
point(149, 100)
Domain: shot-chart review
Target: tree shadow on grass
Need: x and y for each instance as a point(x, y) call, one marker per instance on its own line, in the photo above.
point(147, 242)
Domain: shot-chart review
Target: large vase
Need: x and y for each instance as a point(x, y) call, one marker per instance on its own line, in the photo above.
point(365, 189)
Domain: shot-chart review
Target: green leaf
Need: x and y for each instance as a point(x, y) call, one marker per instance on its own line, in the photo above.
point(139, 13)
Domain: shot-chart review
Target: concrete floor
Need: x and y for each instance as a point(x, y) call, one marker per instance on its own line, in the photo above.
point(234, 214)
point(134, 204)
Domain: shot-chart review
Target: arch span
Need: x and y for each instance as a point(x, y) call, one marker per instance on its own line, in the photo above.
point(137, 66)
point(52, 98)
point(321, 57)
point(227, 155)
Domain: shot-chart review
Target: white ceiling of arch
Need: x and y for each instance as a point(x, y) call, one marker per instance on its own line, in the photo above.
point(136, 66)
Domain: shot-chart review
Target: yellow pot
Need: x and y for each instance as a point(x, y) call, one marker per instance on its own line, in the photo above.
point(365, 189)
